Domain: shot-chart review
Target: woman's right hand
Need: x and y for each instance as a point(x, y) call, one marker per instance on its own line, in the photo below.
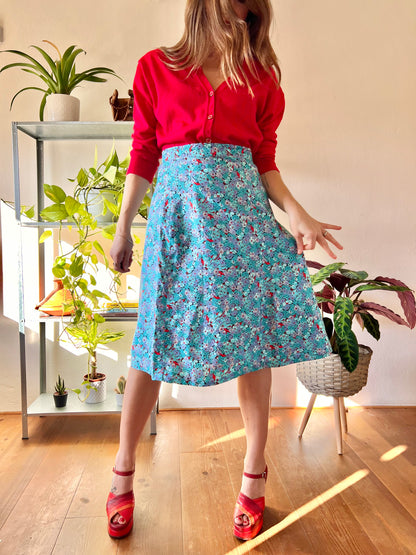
point(122, 253)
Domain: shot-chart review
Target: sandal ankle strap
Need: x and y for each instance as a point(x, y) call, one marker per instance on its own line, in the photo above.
point(123, 473)
point(262, 475)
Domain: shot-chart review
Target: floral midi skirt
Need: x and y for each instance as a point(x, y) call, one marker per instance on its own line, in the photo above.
point(223, 291)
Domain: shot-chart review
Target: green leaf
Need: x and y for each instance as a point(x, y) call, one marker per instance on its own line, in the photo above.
point(344, 309)
point(54, 213)
point(98, 318)
point(100, 294)
point(55, 193)
point(45, 235)
point(29, 212)
point(110, 206)
point(82, 178)
point(93, 280)
point(99, 248)
point(360, 276)
point(380, 286)
point(86, 248)
point(72, 206)
point(371, 325)
point(348, 350)
point(58, 272)
point(110, 174)
point(77, 267)
point(22, 90)
point(94, 259)
point(320, 299)
point(325, 272)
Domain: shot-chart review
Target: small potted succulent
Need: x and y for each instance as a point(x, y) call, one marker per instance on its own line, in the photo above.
point(60, 395)
point(345, 372)
point(121, 386)
point(59, 78)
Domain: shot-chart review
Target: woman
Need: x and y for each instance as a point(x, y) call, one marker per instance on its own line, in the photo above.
point(225, 292)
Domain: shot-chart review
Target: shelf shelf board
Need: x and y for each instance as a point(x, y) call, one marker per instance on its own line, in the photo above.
point(75, 130)
point(66, 319)
point(44, 405)
point(56, 225)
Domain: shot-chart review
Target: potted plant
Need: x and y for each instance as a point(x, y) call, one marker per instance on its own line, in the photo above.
point(86, 335)
point(59, 78)
point(77, 269)
point(100, 188)
point(60, 395)
point(121, 386)
point(344, 372)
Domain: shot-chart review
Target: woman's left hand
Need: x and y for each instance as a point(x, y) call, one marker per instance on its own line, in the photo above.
point(308, 231)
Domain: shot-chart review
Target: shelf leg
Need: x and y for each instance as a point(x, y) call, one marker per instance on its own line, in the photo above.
point(153, 418)
point(23, 386)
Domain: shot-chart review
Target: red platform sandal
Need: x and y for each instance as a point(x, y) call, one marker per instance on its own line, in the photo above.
point(123, 505)
point(253, 509)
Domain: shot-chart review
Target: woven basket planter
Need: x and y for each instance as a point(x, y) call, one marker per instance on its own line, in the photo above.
point(328, 376)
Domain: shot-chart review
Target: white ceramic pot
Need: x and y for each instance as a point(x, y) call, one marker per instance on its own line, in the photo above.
point(119, 399)
point(95, 204)
point(99, 395)
point(61, 107)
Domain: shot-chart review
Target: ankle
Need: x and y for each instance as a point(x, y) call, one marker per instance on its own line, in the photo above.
point(124, 462)
point(254, 465)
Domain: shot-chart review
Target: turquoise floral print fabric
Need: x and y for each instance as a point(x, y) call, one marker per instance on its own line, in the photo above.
point(223, 290)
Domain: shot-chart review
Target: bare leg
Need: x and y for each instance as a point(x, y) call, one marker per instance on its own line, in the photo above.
point(254, 396)
point(139, 399)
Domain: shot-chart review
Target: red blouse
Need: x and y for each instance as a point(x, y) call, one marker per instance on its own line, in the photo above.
point(172, 110)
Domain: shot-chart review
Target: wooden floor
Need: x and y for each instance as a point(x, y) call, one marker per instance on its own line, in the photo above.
point(53, 486)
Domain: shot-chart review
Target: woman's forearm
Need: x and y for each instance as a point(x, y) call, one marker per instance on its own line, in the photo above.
point(134, 192)
point(278, 192)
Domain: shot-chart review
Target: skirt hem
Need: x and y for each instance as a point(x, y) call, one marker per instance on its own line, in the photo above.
point(228, 377)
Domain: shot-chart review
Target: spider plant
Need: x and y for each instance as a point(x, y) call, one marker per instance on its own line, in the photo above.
point(58, 76)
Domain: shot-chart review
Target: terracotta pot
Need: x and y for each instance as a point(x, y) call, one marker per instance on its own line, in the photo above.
point(53, 303)
point(61, 107)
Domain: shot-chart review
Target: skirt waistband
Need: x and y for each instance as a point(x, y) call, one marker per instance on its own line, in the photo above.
point(193, 151)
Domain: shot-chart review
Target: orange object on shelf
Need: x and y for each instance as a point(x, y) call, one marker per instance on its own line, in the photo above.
point(53, 303)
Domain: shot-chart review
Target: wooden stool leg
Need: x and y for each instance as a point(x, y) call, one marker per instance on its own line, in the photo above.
point(307, 414)
point(338, 431)
point(343, 413)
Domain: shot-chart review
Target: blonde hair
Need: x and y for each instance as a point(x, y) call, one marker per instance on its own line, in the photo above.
point(213, 25)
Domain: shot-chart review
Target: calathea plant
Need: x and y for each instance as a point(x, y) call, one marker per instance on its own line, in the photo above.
point(341, 297)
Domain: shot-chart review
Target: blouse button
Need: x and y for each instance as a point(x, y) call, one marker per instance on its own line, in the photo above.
point(211, 93)
point(207, 140)
point(210, 116)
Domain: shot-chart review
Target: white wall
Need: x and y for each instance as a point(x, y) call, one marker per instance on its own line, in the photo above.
point(346, 150)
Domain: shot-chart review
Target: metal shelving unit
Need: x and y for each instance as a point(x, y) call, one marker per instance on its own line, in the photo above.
point(41, 132)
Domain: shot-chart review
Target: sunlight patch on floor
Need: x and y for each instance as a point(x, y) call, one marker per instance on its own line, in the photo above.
point(301, 512)
point(393, 453)
point(273, 423)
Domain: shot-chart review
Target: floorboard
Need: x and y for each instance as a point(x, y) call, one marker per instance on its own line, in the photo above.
point(53, 486)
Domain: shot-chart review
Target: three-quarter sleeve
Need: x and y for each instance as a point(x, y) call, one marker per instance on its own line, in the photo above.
point(269, 115)
point(145, 153)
